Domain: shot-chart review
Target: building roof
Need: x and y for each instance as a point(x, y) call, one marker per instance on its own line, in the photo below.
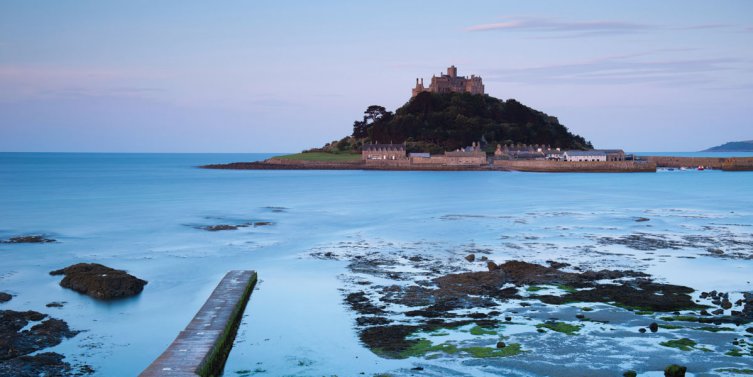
point(415, 154)
point(381, 147)
point(586, 153)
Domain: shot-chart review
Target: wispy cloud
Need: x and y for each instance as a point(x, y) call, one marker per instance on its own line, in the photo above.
point(639, 68)
point(570, 29)
point(557, 25)
point(18, 82)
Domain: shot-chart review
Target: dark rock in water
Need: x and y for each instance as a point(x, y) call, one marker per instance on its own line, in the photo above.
point(48, 364)
point(749, 330)
point(29, 239)
point(501, 345)
point(470, 257)
point(262, 223)
point(100, 281)
point(557, 265)
point(492, 266)
point(675, 371)
point(371, 321)
point(642, 330)
point(630, 373)
point(654, 327)
point(15, 343)
point(484, 258)
point(705, 312)
point(704, 294)
point(55, 304)
point(642, 219)
point(215, 228)
point(580, 316)
point(508, 319)
point(726, 304)
point(361, 304)
point(717, 312)
point(5, 297)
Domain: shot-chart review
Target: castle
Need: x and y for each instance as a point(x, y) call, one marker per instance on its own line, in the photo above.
point(450, 83)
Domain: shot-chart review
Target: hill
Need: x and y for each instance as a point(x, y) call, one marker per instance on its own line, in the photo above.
point(733, 146)
point(432, 122)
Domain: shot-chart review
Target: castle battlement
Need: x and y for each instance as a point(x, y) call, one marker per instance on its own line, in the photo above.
point(450, 83)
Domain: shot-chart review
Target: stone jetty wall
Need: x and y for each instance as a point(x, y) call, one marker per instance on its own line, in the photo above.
point(570, 167)
point(723, 163)
point(201, 349)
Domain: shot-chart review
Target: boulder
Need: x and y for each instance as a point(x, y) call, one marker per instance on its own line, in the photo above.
point(470, 257)
point(100, 282)
point(654, 327)
point(675, 370)
point(501, 345)
point(5, 297)
point(630, 373)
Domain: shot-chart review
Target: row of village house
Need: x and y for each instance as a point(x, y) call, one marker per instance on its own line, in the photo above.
point(474, 155)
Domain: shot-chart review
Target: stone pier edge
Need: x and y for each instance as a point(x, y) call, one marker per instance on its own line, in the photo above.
point(214, 361)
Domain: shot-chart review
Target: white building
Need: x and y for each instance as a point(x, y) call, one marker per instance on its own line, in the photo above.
point(592, 155)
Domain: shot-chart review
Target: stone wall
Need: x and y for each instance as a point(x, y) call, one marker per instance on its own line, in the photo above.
point(724, 163)
point(565, 166)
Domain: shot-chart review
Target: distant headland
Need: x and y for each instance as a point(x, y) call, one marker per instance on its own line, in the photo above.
point(733, 146)
point(454, 125)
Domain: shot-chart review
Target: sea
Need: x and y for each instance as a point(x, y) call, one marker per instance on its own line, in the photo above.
point(144, 213)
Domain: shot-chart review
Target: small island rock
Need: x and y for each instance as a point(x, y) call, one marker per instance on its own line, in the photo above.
point(100, 281)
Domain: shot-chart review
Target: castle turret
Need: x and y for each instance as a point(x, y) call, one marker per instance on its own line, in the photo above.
point(452, 71)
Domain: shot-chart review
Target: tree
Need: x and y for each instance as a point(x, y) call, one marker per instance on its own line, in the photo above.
point(375, 113)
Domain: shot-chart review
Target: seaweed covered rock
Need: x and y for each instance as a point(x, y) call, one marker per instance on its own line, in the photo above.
point(5, 297)
point(100, 281)
point(49, 364)
point(15, 342)
point(675, 370)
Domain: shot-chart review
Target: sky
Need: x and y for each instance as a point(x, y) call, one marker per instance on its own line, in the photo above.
point(283, 76)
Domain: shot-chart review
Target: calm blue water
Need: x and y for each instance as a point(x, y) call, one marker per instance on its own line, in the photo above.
point(139, 212)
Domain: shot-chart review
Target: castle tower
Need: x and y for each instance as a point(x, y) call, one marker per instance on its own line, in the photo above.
point(452, 71)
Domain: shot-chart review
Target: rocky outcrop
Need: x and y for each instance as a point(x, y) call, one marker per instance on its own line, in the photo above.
point(100, 281)
point(5, 297)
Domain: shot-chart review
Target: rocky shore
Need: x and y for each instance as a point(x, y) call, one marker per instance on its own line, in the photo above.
point(518, 313)
point(19, 342)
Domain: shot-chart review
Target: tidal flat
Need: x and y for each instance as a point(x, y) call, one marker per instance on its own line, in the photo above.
point(370, 272)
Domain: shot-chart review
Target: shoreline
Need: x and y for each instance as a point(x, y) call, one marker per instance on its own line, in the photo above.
point(650, 164)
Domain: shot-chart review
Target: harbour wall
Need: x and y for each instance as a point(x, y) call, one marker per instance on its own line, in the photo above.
point(572, 167)
point(723, 163)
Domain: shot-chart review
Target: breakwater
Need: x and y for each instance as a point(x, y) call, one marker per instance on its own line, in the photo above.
point(202, 347)
point(723, 163)
point(574, 167)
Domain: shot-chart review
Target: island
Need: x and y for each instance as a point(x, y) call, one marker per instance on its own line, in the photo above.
point(454, 125)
